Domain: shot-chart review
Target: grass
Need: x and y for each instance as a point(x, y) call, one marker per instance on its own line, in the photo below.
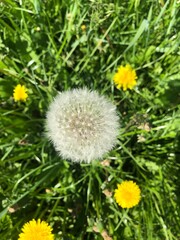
point(43, 46)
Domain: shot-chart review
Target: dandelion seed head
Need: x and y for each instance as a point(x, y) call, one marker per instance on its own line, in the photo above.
point(82, 125)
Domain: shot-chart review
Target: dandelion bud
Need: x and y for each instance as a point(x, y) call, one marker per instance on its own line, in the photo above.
point(82, 125)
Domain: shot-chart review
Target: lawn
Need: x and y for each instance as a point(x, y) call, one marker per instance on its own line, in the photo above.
point(59, 45)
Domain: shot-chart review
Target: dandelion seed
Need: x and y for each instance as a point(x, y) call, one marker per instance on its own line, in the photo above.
point(36, 230)
point(125, 77)
point(82, 125)
point(20, 93)
point(127, 195)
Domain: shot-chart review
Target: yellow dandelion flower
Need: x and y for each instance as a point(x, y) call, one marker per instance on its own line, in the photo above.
point(36, 230)
point(125, 77)
point(83, 27)
point(20, 93)
point(128, 194)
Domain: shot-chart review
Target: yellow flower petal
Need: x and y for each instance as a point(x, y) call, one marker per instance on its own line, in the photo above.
point(125, 77)
point(36, 230)
point(20, 93)
point(128, 194)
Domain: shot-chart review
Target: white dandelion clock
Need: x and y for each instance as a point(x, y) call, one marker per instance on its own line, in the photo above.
point(82, 125)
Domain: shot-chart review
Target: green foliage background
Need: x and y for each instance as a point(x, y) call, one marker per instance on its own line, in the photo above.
point(43, 46)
